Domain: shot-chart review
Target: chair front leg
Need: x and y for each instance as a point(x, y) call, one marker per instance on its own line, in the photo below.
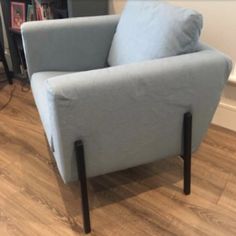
point(79, 148)
point(187, 151)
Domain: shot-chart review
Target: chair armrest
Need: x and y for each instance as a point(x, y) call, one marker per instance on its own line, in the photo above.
point(132, 114)
point(73, 44)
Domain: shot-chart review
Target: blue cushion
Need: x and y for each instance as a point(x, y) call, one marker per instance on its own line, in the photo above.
point(154, 29)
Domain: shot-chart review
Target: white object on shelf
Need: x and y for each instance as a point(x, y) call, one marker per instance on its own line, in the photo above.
point(232, 78)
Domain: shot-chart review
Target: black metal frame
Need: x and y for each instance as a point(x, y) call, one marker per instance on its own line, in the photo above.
point(2, 53)
point(5, 65)
point(187, 151)
point(79, 149)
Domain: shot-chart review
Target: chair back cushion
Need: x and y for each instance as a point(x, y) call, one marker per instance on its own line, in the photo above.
point(151, 29)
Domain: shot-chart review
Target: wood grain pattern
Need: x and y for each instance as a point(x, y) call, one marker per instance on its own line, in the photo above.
point(146, 200)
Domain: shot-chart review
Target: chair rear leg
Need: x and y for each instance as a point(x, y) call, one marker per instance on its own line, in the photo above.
point(79, 148)
point(5, 66)
point(187, 151)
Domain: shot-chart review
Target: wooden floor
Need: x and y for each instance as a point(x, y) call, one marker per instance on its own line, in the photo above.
point(143, 201)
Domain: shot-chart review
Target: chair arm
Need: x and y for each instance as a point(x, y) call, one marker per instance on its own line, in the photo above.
point(73, 44)
point(132, 114)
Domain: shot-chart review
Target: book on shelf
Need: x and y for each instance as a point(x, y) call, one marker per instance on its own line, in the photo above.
point(44, 9)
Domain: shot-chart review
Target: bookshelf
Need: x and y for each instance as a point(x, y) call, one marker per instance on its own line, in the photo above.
point(5, 5)
point(58, 9)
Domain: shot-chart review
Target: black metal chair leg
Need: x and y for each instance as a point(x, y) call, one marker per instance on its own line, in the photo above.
point(79, 148)
point(5, 66)
point(187, 152)
point(8, 74)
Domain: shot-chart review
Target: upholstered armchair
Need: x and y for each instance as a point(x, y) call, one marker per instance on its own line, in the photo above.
point(101, 119)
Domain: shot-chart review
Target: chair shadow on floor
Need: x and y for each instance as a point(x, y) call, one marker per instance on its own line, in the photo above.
point(118, 186)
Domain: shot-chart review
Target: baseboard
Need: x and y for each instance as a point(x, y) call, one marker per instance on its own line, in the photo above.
point(225, 116)
point(232, 77)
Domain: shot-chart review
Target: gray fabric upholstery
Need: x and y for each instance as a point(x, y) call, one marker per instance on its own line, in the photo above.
point(40, 97)
point(73, 44)
point(130, 114)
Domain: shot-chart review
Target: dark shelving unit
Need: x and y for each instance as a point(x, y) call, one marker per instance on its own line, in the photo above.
point(14, 36)
point(60, 9)
point(6, 8)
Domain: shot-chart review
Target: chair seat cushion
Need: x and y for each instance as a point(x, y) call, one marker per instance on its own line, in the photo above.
point(40, 95)
point(154, 29)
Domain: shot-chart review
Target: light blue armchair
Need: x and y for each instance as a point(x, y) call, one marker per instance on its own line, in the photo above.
point(113, 118)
